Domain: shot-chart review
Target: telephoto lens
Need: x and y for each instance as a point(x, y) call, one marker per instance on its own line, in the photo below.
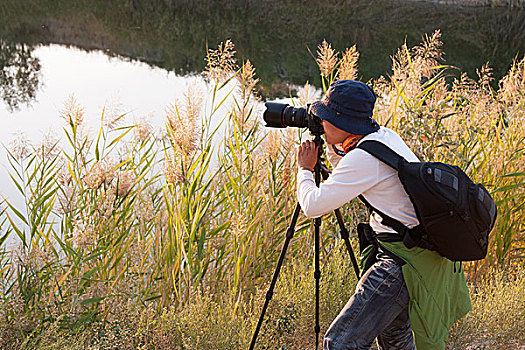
point(281, 115)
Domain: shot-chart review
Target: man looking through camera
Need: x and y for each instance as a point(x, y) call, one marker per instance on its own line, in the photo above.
point(399, 285)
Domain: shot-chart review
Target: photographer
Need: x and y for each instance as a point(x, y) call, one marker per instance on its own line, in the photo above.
point(405, 297)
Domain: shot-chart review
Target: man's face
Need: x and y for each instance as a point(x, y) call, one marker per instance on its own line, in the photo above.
point(333, 135)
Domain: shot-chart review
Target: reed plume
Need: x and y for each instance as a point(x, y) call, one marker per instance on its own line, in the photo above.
point(143, 130)
point(19, 146)
point(73, 112)
point(182, 120)
point(348, 64)
point(221, 63)
point(326, 59)
point(306, 95)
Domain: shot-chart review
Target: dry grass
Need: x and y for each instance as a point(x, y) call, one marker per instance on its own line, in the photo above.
point(498, 313)
point(208, 322)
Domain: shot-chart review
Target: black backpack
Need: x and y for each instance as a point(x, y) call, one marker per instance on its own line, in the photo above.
point(455, 214)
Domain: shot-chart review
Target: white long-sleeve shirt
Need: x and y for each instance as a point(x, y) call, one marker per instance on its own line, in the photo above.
point(358, 172)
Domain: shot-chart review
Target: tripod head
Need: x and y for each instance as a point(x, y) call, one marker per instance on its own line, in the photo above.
point(320, 166)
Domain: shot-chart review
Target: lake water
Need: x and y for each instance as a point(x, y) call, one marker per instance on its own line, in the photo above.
point(96, 81)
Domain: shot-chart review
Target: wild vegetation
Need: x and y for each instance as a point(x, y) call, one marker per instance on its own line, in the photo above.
point(132, 239)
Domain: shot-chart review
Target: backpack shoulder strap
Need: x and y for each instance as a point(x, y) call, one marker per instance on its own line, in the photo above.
point(381, 152)
point(411, 237)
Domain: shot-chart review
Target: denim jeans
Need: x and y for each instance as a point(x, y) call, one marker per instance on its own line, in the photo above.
point(378, 309)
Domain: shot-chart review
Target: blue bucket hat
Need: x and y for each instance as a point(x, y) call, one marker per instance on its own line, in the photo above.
point(348, 105)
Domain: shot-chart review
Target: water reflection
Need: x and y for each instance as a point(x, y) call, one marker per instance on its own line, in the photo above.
point(19, 74)
point(102, 85)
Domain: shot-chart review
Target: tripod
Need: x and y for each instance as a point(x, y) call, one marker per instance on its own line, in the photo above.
point(319, 170)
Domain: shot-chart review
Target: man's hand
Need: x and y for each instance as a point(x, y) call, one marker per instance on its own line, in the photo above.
point(307, 155)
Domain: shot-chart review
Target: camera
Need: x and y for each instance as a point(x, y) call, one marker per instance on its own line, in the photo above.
point(281, 115)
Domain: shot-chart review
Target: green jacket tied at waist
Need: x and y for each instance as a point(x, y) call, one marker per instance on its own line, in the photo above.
point(438, 293)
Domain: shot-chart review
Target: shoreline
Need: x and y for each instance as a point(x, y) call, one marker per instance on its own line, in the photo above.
point(478, 3)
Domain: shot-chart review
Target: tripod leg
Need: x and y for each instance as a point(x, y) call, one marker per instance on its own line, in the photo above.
point(317, 226)
point(317, 276)
point(269, 294)
point(317, 273)
point(344, 235)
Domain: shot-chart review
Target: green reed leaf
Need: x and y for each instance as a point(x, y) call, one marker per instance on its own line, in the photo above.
point(122, 135)
point(514, 174)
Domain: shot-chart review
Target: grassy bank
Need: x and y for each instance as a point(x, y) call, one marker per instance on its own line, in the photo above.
point(224, 323)
point(131, 239)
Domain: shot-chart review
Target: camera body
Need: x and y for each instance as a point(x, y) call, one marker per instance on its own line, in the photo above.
point(281, 115)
